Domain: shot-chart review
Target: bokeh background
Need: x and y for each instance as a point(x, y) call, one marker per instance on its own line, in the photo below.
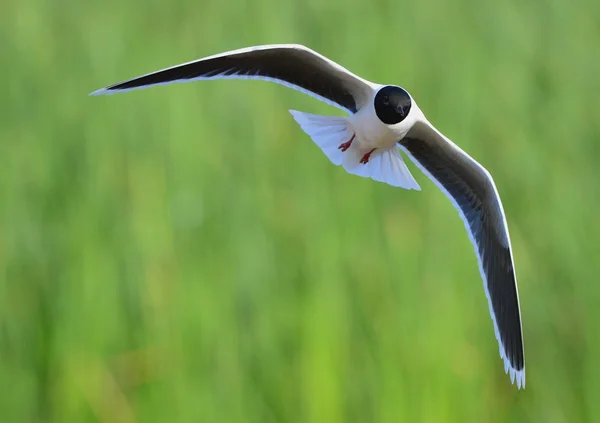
point(187, 254)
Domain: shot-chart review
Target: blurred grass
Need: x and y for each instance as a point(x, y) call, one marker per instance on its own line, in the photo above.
point(186, 253)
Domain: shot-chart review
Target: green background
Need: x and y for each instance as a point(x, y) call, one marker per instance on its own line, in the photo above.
point(187, 254)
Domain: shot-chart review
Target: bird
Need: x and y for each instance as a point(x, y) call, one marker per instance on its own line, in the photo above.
point(379, 123)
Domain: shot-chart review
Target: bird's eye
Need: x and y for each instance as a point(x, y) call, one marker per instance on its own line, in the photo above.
point(386, 100)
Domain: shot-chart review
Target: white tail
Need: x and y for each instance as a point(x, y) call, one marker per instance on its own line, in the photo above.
point(330, 132)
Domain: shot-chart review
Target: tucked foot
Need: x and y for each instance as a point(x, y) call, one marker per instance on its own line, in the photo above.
point(366, 157)
point(346, 145)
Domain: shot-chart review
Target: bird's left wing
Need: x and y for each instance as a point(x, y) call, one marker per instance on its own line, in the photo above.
point(471, 189)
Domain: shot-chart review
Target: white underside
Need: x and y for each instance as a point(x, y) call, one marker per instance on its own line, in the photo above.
point(329, 132)
point(515, 375)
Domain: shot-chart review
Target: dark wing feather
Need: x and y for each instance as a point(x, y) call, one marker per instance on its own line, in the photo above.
point(473, 193)
point(292, 65)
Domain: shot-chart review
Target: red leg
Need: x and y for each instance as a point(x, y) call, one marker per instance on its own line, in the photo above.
point(366, 157)
point(346, 145)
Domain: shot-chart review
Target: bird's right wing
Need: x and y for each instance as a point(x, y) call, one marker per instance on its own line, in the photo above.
point(291, 65)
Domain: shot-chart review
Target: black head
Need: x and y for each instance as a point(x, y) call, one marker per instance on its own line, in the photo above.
point(392, 104)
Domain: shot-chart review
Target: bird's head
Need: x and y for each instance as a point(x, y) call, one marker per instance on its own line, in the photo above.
point(392, 104)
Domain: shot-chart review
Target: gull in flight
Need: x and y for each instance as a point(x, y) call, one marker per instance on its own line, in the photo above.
point(382, 121)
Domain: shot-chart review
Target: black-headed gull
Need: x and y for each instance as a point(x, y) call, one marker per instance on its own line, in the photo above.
point(382, 120)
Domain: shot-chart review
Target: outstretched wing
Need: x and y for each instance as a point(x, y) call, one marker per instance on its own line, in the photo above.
point(291, 65)
point(472, 191)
